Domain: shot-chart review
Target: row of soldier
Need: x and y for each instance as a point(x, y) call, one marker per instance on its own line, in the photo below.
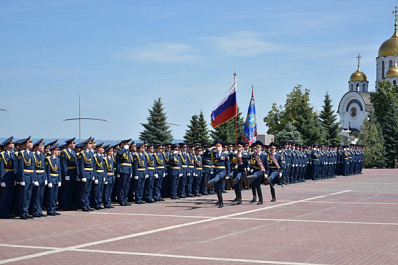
point(90, 176)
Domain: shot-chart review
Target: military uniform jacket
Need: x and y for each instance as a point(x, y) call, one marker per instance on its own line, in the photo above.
point(140, 165)
point(109, 167)
point(220, 161)
point(184, 160)
point(69, 163)
point(198, 164)
point(85, 162)
point(288, 157)
point(160, 164)
point(40, 171)
point(315, 158)
point(123, 162)
point(175, 164)
point(283, 160)
point(99, 166)
point(7, 164)
point(191, 163)
point(206, 161)
point(26, 166)
point(242, 161)
point(151, 163)
point(53, 169)
point(272, 165)
point(254, 164)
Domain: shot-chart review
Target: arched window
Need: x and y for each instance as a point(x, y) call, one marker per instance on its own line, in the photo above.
point(389, 64)
point(382, 70)
point(356, 89)
point(363, 87)
point(351, 88)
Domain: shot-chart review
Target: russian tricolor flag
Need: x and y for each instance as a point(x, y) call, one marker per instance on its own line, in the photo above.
point(226, 109)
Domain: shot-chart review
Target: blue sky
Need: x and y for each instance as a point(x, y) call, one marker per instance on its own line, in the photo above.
point(120, 56)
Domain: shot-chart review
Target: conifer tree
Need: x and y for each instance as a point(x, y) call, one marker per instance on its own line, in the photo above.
point(156, 129)
point(390, 129)
point(197, 131)
point(372, 138)
point(329, 122)
point(289, 134)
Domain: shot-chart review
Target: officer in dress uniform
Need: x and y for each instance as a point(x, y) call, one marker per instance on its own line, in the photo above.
point(124, 172)
point(198, 171)
point(191, 170)
point(288, 157)
point(207, 168)
point(109, 167)
point(275, 169)
point(175, 172)
point(161, 172)
point(47, 151)
point(184, 170)
point(85, 162)
point(53, 171)
point(130, 194)
point(97, 190)
point(140, 173)
point(258, 168)
point(221, 165)
point(239, 164)
point(151, 174)
point(8, 171)
point(165, 190)
point(39, 186)
point(26, 177)
point(69, 175)
point(346, 161)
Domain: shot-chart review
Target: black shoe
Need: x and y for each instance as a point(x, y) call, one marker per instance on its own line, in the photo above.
point(91, 209)
point(173, 198)
point(107, 207)
point(205, 193)
point(51, 214)
point(101, 207)
point(239, 202)
point(190, 195)
point(123, 204)
point(36, 215)
point(254, 200)
point(138, 202)
point(84, 210)
point(149, 201)
point(23, 217)
point(97, 208)
point(235, 200)
point(29, 216)
point(260, 202)
point(42, 215)
point(56, 213)
point(273, 199)
point(224, 191)
point(161, 199)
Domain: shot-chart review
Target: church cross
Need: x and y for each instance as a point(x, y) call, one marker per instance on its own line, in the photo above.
point(395, 13)
point(359, 58)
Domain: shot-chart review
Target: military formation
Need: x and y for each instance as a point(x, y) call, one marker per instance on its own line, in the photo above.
point(93, 176)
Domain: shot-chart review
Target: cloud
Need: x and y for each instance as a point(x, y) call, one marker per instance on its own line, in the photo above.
point(244, 43)
point(162, 52)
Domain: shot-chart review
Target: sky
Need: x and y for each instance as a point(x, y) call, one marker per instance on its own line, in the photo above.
point(119, 56)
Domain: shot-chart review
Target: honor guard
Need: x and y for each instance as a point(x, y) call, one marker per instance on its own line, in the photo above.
point(258, 168)
point(239, 164)
point(47, 146)
point(130, 194)
point(288, 169)
point(8, 170)
point(198, 171)
point(140, 173)
point(124, 172)
point(26, 177)
point(184, 170)
point(165, 190)
point(39, 186)
point(53, 171)
point(275, 169)
point(207, 168)
point(175, 172)
point(160, 171)
point(69, 175)
point(151, 173)
point(85, 162)
point(109, 167)
point(221, 165)
point(191, 170)
point(97, 190)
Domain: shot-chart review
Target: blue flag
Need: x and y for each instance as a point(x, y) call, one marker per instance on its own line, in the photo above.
point(250, 129)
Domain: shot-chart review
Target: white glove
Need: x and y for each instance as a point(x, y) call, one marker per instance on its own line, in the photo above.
point(265, 176)
point(211, 173)
point(226, 177)
point(22, 183)
point(156, 176)
point(77, 179)
point(106, 182)
point(280, 174)
point(3, 185)
point(248, 169)
point(36, 183)
point(15, 182)
point(67, 178)
point(118, 175)
point(251, 170)
point(126, 146)
point(146, 176)
point(180, 175)
point(104, 179)
point(175, 152)
point(236, 166)
point(131, 176)
point(45, 182)
point(50, 185)
point(93, 178)
point(188, 174)
point(59, 184)
point(84, 179)
point(135, 177)
point(96, 181)
point(235, 152)
point(164, 174)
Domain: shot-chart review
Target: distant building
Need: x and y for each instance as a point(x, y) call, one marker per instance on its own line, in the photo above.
point(355, 105)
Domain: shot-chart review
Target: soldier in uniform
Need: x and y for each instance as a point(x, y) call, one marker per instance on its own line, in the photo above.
point(288, 157)
point(161, 172)
point(151, 173)
point(53, 171)
point(140, 173)
point(198, 171)
point(275, 169)
point(39, 186)
point(8, 171)
point(221, 165)
point(258, 168)
point(130, 194)
point(239, 164)
point(85, 162)
point(184, 171)
point(207, 168)
point(109, 167)
point(69, 175)
point(165, 190)
point(97, 190)
point(123, 172)
point(26, 177)
point(191, 170)
point(175, 172)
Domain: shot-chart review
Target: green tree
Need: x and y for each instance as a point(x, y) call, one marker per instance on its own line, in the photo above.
point(156, 129)
point(372, 138)
point(226, 131)
point(390, 134)
point(289, 134)
point(309, 125)
point(382, 100)
point(329, 122)
point(197, 130)
point(273, 119)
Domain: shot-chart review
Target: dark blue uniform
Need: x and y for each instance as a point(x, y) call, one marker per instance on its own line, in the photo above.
point(8, 171)
point(70, 194)
point(53, 171)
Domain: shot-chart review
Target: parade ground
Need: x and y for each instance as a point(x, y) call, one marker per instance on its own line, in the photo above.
point(344, 220)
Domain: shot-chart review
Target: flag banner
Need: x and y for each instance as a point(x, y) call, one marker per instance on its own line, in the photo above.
point(250, 128)
point(226, 109)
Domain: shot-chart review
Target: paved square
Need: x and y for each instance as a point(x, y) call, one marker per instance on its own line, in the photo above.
point(345, 220)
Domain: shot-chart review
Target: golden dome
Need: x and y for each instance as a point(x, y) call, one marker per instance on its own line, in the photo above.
point(393, 71)
point(389, 46)
point(358, 76)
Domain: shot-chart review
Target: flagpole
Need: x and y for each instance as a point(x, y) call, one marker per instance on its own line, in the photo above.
point(236, 121)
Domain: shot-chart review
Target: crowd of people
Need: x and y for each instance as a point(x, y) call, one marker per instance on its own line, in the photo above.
point(93, 176)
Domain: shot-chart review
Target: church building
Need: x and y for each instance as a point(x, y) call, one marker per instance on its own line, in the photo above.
point(355, 105)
